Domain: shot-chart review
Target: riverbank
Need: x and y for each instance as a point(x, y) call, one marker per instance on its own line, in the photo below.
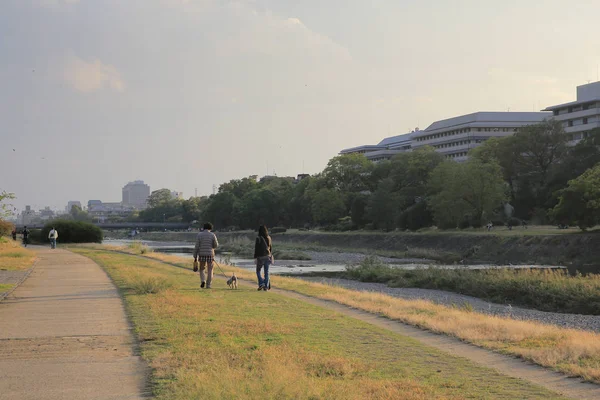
point(575, 250)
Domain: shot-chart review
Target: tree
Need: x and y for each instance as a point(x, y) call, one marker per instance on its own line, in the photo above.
point(239, 187)
point(5, 208)
point(579, 202)
point(159, 197)
point(469, 190)
point(410, 173)
point(348, 174)
point(193, 208)
point(219, 209)
point(258, 207)
point(78, 214)
point(327, 206)
point(383, 205)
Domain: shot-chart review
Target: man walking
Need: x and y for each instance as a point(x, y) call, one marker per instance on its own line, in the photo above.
point(53, 235)
point(204, 252)
point(25, 235)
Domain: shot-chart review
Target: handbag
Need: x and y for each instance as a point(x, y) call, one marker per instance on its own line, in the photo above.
point(195, 266)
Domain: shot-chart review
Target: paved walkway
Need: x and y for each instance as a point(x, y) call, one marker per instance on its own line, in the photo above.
point(64, 335)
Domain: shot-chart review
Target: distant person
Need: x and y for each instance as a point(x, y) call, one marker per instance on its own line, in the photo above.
point(264, 257)
point(25, 235)
point(53, 235)
point(14, 233)
point(204, 252)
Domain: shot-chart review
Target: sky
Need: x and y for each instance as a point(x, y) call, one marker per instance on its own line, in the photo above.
point(187, 94)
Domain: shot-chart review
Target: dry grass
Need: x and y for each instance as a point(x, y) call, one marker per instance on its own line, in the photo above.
point(13, 257)
point(244, 344)
point(573, 352)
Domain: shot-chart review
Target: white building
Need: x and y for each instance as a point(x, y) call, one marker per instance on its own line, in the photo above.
point(580, 116)
point(455, 137)
point(385, 149)
point(136, 194)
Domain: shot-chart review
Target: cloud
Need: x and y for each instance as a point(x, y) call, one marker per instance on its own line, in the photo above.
point(92, 76)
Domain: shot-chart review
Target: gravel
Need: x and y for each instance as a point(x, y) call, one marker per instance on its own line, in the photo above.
point(575, 321)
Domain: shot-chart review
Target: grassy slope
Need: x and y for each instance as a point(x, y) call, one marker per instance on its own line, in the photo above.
point(13, 257)
point(573, 352)
point(245, 344)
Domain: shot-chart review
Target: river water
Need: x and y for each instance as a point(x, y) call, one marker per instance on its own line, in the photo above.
point(321, 261)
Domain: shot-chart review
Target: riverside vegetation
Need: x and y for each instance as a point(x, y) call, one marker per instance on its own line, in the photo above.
point(570, 351)
point(214, 345)
point(13, 257)
point(546, 290)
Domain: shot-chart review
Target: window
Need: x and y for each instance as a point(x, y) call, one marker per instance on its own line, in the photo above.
point(585, 121)
point(586, 106)
point(555, 112)
point(570, 123)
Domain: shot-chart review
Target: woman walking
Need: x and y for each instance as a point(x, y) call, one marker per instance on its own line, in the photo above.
point(263, 256)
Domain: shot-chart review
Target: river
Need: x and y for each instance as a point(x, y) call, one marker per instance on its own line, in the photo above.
point(320, 261)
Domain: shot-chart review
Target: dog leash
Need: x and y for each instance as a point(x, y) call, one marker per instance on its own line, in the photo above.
point(220, 268)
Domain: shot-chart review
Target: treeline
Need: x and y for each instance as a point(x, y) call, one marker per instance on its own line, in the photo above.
point(533, 175)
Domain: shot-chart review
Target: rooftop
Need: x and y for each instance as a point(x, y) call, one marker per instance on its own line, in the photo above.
point(502, 118)
point(588, 93)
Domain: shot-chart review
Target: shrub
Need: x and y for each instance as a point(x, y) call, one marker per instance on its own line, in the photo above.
point(139, 248)
point(73, 232)
point(150, 285)
point(277, 229)
point(5, 227)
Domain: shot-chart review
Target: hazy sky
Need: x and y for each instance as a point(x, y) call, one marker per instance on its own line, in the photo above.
point(185, 94)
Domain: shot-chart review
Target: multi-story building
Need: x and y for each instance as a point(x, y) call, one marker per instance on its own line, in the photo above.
point(385, 149)
point(455, 137)
point(70, 205)
point(136, 194)
point(580, 116)
point(101, 211)
point(176, 195)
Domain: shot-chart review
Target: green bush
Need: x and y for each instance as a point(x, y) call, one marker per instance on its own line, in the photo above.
point(73, 232)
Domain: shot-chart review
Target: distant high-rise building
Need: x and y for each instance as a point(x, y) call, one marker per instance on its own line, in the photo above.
point(136, 194)
point(176, 195)
point(70, 205)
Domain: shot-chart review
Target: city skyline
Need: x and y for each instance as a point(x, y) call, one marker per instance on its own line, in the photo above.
point(98, 94)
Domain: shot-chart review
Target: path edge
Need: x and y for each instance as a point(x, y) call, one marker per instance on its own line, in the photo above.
point(20, 282)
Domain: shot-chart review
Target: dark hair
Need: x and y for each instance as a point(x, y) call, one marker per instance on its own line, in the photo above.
point(263, 231)
point(208, 226)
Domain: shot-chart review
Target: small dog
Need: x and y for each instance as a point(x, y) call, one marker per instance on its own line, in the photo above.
point(232, 282)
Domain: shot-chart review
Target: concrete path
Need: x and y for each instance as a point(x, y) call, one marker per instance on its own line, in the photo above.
point(64, 335)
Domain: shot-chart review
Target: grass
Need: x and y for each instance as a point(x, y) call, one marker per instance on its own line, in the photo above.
point(572, 352)
point(546, 290)
point(5, 287)
point(244, 344)
point(13, 257)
